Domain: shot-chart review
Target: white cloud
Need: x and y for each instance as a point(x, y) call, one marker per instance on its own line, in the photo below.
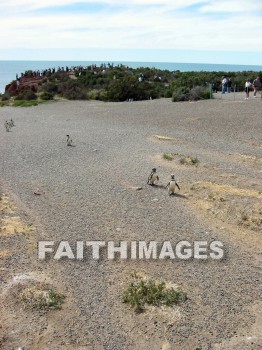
point(232, 6)
point(50, 3)
point(167, 26)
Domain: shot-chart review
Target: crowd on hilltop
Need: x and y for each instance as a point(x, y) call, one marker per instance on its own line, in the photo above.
point(74, 69)
point(49, 71)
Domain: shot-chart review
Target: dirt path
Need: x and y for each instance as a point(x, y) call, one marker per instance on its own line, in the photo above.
point(88, 193)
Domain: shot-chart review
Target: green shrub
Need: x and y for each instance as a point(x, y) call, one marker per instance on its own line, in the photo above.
point(93, 94)
point(200, 93)
point(72, 90)
point(41, 299)
point(168, 156)
point(196, 93)
point(77, 94)
point(130, 88)
point(153, 293)
point(6, 96)
point(26, 95)
point(50, 87)
point(180, 94)
point(46, 96)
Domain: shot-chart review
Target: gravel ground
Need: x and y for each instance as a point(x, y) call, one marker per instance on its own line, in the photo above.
point(88, 193)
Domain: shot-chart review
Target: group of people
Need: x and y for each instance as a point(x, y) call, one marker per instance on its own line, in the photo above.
point(49, 71)
point(256, 85)
point(227, 86)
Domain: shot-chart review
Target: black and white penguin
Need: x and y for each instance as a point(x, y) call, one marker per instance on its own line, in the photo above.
point(7, 126)
point(153, 178)
point(69, 141)
point(11, 123)
point(172, 185)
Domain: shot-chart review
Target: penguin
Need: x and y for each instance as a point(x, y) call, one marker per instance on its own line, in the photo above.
point(172, 185)
point(11, 123)
point(7, 126)
point(69, 141)
point(153, 178)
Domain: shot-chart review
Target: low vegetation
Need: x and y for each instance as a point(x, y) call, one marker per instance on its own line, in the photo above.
point(194, 94)
point(168, 156)
point(189, 160)
point(121, 83)
point(151, 292)
point(40, 298)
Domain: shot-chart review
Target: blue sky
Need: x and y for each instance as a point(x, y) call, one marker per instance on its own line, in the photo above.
point(211, 31)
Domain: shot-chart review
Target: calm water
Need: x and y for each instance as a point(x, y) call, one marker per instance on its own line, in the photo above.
point(9, 69)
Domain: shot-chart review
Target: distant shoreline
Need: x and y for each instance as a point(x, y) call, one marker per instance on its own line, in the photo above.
point(9, 69)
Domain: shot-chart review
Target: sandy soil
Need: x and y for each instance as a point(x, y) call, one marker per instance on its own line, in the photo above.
point(89, 192)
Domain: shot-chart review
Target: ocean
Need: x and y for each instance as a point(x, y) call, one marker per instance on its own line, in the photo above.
point(9, 69)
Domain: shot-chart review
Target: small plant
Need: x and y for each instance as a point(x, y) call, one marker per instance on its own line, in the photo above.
point(6, 96)
point(152, 293)
point(27, 95)
point(168, 156)
point(195, 94)
point(93, 94)
point(46, 96)
point(244, 217)
point(212, 196)
point(55, 299)
point(38, 297)
point(3, 103)
point(189, 160)
point(23, 103)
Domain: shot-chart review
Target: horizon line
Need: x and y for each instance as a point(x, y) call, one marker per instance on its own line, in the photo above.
point(127, 61)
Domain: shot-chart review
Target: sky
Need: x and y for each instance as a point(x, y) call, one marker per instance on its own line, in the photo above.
point(187, 31)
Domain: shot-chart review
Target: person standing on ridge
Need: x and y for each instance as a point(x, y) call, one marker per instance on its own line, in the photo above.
point(247, 88)
point(224, 84)
point(229, 85)
point(256, 85)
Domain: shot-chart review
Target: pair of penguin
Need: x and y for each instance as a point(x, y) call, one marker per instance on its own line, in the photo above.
point(154, 178)
point(9, 125)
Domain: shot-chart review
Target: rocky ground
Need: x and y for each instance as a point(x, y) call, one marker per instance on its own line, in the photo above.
point(90, 192)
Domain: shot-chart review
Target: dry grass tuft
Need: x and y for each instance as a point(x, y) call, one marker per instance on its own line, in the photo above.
point(41, 297)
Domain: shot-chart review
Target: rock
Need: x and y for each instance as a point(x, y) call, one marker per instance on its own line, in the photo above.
point(12, 88)
point(136, 188)
point(37, 193)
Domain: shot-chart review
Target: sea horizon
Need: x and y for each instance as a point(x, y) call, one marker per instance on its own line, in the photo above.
point(10, 68)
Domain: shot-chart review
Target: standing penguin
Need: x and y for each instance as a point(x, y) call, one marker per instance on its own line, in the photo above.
point(172, 185)
point(69, 141)
point(153, 178)
point(12, 123)
point(7, 126)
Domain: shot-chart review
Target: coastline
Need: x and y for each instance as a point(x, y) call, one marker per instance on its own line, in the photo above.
point(9, 69)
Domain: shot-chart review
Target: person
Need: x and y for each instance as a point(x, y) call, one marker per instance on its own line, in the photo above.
point(215, 87)
point(229, 85)
point(247, 88)
point(224, 84)
point(256, 85)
